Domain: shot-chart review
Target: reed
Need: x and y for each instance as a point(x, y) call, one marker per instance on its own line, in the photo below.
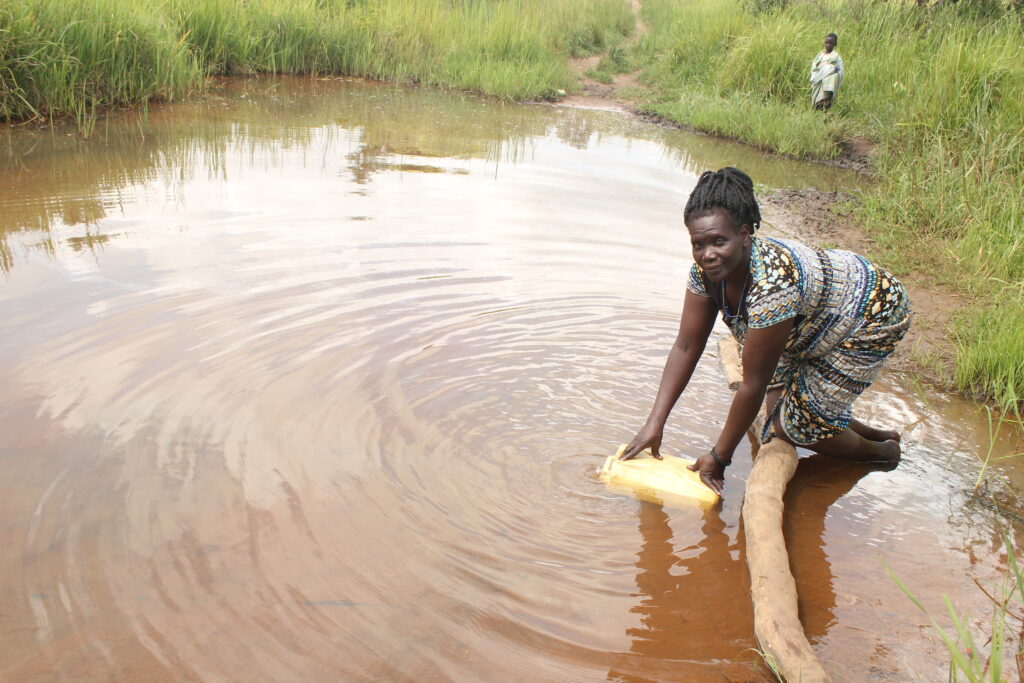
point(63, 57)
point(938, 91)
point(66, 57)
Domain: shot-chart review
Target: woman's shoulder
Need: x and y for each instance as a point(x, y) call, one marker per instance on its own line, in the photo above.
point(776, 263)
point(695, 281)
point(776, 292)
point(778, 249)
point(799, 253)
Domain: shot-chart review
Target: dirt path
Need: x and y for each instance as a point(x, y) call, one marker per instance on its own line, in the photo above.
point(598, 95)
point(814, 216)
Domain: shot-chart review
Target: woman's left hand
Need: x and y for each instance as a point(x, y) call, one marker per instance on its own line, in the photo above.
point(711, 473)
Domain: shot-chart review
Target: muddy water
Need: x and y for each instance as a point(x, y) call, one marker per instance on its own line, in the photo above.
point(310, 380)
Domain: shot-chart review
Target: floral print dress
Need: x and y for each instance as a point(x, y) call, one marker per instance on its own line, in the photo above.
point(849, 315)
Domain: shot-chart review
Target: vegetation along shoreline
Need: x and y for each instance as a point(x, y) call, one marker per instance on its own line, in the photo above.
point(933, 100)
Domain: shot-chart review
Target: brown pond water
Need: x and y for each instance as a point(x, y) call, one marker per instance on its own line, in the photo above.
point(310, 380)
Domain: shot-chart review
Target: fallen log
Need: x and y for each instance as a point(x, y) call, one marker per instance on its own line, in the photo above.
point(772, 588)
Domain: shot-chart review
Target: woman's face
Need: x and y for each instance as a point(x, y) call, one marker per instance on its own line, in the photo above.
point(719, 244)
point(830, 43)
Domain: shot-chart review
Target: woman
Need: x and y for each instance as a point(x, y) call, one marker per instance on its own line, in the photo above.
point(826, 74)
point(815, 326)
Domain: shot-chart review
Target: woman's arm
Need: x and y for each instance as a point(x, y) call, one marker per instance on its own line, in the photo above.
point(695, 325)
point(761, 354)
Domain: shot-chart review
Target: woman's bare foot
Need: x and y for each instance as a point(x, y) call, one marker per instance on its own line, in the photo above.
point(888, 451)
point(873, 434)
point(858, 442)
point(890, 435)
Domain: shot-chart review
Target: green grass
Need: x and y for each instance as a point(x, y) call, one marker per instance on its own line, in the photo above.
point(990, 343)
point(600, 76)
point(68, 57)
point(937, 90)
point(73, 58)
point(983, 661)
point(767, 124)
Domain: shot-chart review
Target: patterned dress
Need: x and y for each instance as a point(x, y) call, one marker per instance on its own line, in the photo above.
point(849, 316)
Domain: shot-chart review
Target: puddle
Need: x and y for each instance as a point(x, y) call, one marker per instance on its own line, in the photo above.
point(312, 379)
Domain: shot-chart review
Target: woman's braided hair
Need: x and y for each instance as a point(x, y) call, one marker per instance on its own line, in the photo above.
point(729, 189)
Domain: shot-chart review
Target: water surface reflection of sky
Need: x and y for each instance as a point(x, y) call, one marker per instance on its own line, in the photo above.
point(311, 379)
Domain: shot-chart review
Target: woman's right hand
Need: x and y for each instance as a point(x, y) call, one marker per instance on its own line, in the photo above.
point(648, 437)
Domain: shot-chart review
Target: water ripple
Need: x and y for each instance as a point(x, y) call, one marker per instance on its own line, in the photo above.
point(256, 436)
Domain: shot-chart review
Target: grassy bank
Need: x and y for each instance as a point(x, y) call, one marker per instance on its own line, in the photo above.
point(940, 92)
point(67, 57)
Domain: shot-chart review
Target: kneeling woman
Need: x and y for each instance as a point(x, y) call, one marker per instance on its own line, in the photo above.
point(815, 326)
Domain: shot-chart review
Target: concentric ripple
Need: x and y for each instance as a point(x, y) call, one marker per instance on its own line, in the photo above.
point(319, 390)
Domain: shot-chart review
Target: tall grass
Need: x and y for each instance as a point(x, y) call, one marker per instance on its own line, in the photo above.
point(768, 124)
point(75, 57)
point(942, 94)
point(60, 57)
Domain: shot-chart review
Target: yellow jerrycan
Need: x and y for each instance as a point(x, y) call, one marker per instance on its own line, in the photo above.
point(657, 481)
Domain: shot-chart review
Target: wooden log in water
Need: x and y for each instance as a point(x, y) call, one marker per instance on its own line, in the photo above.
point(772, 588)
point(732, 364)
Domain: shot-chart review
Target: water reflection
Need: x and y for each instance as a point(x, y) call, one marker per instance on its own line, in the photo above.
point(310, 380)
point(53, 179)
point(695, 615)
point(816, 485)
